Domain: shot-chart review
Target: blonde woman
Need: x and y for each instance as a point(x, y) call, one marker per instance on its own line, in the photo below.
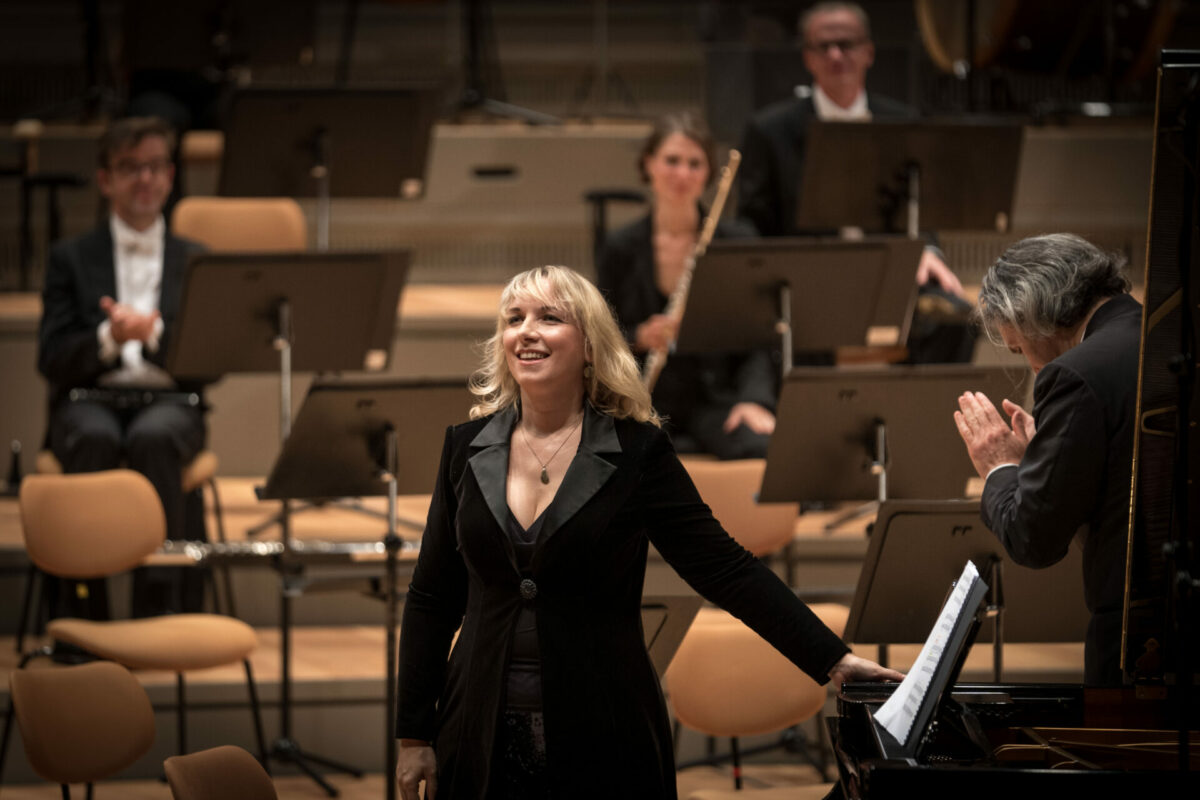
point(535, 552)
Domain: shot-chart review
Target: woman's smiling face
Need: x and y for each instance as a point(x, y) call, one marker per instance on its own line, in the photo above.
point(543, 347)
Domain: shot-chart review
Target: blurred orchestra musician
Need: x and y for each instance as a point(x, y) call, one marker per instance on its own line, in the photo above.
point(109, 299)
point(718, 404)
point(1063, 473)
point(838, 52)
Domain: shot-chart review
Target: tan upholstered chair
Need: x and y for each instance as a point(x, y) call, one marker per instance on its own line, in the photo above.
point(730, 489)
point(220, 773)
point(95, 524)
point(199, 472)
point(81, 724)
point(726, 681)
point(242, 224)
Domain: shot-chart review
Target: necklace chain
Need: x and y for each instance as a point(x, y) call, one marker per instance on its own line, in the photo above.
point(545, 476)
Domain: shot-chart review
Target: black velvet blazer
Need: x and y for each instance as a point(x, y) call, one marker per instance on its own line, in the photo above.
point(607, 733)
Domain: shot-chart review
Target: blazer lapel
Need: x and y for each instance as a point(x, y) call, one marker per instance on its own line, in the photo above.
point(490, 466)
point(589, 471)
point(100, 263)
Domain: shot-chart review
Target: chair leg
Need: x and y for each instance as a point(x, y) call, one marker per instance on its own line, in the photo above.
point(66, 791)
point(226, 574)
point(8, 721)
point(736, 757)
point(256, 710)
point(31, 575)
point(181, 713)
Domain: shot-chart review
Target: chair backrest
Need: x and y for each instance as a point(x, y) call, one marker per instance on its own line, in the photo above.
point(221, 773)
point(242, 224)
point(84, 723)
point(725, 680)
point(730, 488)
point(90, 524)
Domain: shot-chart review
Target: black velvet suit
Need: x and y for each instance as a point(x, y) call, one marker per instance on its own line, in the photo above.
point(694, 393)
point(607, 733)
point(1076, 473)
point(773, 149)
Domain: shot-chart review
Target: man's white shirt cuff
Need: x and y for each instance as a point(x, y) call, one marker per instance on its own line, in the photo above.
point(109, 349)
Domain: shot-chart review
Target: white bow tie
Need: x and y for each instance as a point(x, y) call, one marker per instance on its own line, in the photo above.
point(132, 244)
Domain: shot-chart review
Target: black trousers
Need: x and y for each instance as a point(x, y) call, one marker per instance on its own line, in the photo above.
point(157, 440)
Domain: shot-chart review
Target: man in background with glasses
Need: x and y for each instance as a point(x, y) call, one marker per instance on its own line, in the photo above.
point(838, 52)
point(109, 299)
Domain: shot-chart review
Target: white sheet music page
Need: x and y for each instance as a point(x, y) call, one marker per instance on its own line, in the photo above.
point(899, 712)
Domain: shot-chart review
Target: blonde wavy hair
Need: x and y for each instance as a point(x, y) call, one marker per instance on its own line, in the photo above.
point(614, 387)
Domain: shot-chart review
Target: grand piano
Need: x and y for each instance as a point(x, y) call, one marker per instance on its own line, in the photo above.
point(1050, 740)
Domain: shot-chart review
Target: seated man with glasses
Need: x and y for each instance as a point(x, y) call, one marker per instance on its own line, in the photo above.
point(838, 51)
point(108, 302)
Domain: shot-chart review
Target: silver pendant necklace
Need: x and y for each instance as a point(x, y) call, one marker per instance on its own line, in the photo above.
point(545, 476)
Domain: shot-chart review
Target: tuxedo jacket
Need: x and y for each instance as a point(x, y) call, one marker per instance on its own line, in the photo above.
point(606, 727)
point(79, 272)
point(773, 148)
point(1075, 475)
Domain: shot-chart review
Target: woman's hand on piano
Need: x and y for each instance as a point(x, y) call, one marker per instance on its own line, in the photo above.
point(853, 669)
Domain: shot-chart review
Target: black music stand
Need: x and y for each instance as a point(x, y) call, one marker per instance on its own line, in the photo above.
point(347, 443)
point(794, 294)
point(245, 313)
point(326, 143)
point(938, 175)
point(848, 433)
point(918, 546)
point(666, 619)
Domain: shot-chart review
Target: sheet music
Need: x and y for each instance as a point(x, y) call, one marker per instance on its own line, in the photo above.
point(899, 712)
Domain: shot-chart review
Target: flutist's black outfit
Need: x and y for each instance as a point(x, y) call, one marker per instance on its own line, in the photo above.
point(606, 730)
point(694, 393)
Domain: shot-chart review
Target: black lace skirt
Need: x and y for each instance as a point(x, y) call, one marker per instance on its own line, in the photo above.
point(520, 758)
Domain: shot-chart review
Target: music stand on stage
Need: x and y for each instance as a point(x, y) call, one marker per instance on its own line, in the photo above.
point(940, 175)
point(347, 442)
point(245, 313)
point(324, 143)
point(847, 433)
point(918, 546)
point(666, 619)
point(806, 294)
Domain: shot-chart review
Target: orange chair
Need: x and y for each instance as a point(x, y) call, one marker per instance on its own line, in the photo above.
point(726, 681)
point(242, 224)
point(730, 488)
point(201, 471)
point(81, 724)
point(95, 524)
point(220, 773)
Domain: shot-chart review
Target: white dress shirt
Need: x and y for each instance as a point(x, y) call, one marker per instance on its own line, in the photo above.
point(138, 263)
point(829, 111)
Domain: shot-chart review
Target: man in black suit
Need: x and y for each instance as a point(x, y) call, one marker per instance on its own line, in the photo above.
point(108, 304)
point(1063, 474)
point(838, 51)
